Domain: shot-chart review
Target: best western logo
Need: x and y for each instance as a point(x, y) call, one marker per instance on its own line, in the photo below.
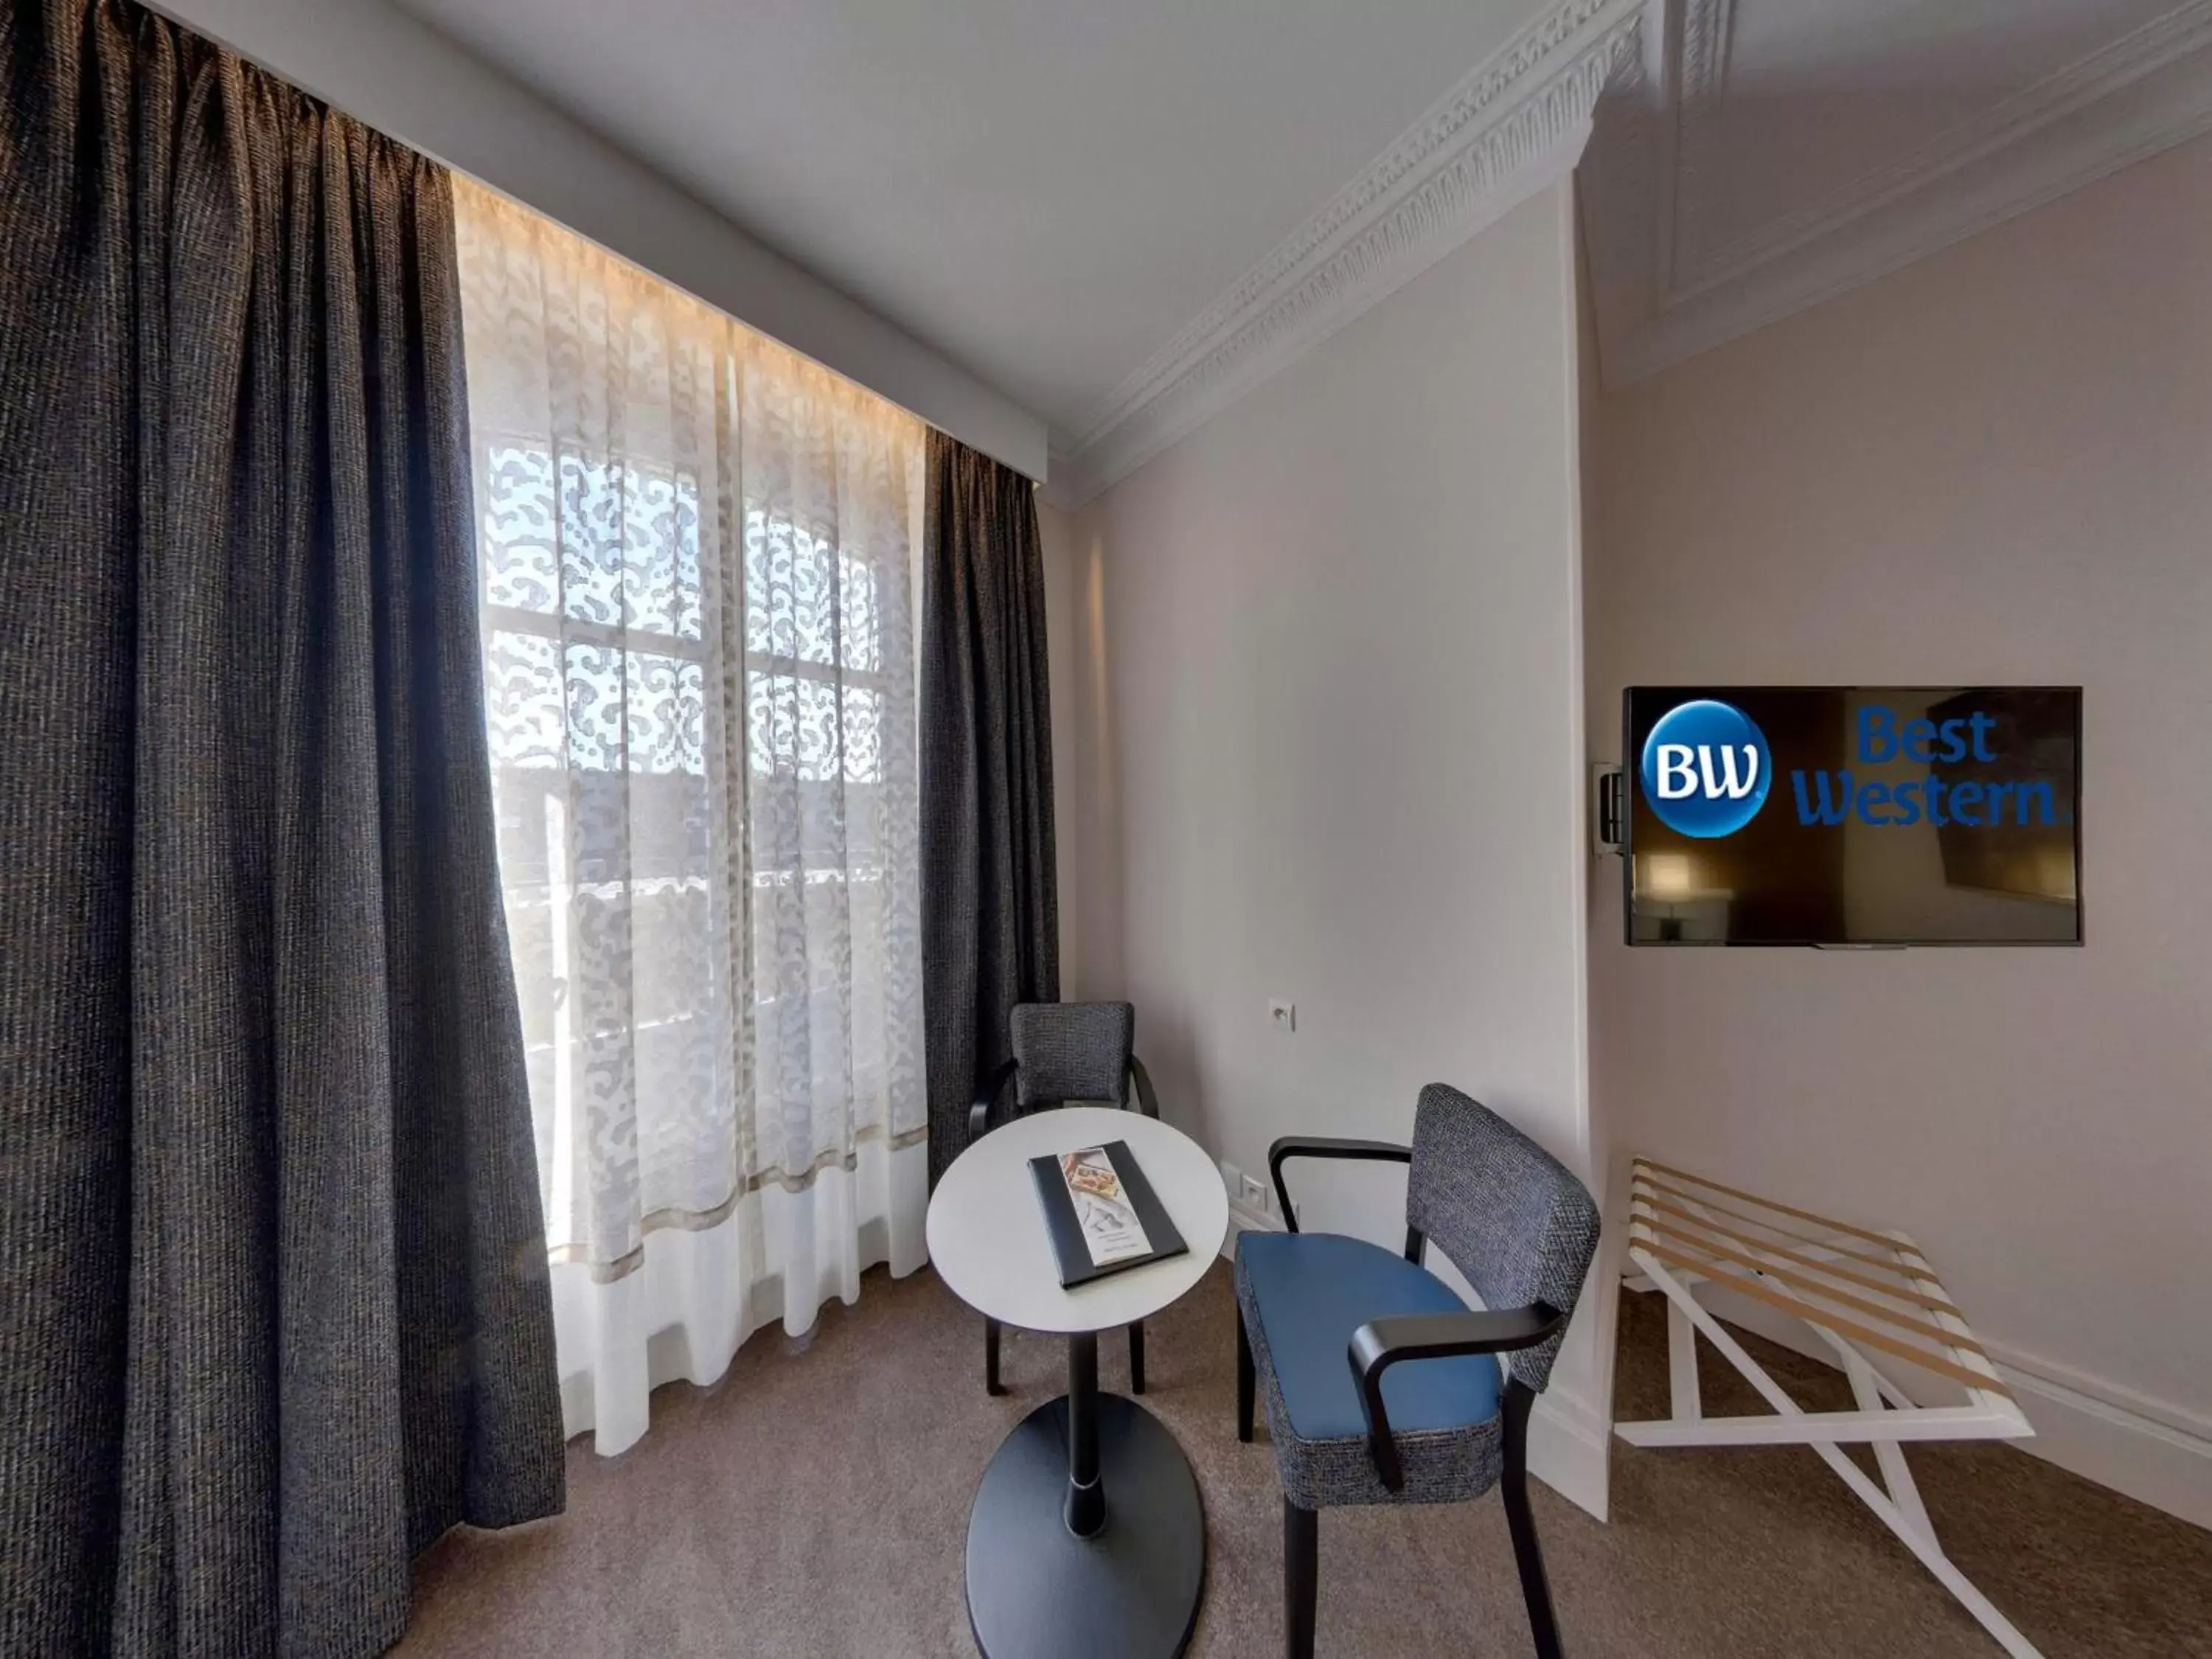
point(1706, 769)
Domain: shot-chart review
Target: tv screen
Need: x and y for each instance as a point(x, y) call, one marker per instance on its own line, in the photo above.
point(1853, 815)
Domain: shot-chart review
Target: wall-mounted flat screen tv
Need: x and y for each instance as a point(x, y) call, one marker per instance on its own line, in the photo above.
point(1853, 815)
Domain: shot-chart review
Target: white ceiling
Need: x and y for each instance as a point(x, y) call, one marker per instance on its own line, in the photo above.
point(1043, 190)
point(1120, 213)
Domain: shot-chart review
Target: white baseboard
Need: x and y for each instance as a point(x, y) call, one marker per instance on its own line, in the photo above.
point(1568, 1441)
point(1568, 1444)
point(2151, 1450)
point(2155, 1452)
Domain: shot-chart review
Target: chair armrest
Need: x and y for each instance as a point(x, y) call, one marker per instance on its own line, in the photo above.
point(1147, 1102)
point(979, 1114)
point(1382, 1343)
point(1292, 1146)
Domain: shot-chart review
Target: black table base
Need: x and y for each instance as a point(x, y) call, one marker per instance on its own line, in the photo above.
point(1087, 1537)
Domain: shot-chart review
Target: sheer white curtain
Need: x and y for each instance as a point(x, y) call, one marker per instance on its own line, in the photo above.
point(698, 554)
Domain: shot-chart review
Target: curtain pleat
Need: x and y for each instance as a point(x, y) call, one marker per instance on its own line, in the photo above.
point(276, 1307)
point(990, 905)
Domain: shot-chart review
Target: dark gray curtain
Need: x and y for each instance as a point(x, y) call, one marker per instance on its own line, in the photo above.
point(990, 910)
point(275, 1307)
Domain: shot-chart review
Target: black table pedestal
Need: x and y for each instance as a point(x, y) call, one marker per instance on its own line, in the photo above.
point(1087, 1537)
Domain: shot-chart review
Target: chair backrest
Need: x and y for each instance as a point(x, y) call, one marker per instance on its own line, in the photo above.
point(1071, 1051)
point(1511, 1216)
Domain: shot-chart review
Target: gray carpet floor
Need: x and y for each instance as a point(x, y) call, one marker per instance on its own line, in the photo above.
point(814, 1502)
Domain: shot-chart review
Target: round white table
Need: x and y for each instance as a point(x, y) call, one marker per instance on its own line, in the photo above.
point(1086, 1536)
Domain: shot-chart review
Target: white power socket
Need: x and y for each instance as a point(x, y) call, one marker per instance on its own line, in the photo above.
point(1283, 1015)
point(1249, 1193)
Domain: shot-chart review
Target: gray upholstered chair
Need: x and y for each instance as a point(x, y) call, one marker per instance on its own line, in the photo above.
point(1064, 1051)
point(1381, 1386)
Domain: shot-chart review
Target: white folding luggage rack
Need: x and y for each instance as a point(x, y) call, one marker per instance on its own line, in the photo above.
point(1872, 1297)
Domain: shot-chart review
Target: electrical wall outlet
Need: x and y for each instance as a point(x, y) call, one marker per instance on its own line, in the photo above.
point(1248, 1193)
point(1283, 1016)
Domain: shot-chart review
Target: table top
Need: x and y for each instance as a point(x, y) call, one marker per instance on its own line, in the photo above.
point(986, 1231)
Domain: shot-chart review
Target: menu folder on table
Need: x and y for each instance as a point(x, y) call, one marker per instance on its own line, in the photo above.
point(1060, 1220)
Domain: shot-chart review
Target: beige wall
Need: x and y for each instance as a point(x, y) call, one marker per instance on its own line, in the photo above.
point(1994, 466)
point(1322, 741)
point(1313, 741)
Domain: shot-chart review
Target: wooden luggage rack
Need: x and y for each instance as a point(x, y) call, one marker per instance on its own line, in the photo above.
point(1871, 1297)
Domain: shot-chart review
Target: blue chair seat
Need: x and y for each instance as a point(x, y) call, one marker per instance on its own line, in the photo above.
point(1303, 1295)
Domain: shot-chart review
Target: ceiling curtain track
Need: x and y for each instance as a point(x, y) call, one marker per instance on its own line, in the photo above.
point(990, 896)
point(270, 1245)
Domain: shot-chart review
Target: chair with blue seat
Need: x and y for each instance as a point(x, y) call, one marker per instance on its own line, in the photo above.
point(1381, 1385)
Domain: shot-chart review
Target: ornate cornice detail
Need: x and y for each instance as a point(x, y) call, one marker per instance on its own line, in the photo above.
point(1707, 31)
point(1515, 124)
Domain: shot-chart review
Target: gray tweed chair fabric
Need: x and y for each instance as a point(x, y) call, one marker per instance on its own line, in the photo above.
point(1333, 1331)
point(1064, 1051)
point(1071, 1051)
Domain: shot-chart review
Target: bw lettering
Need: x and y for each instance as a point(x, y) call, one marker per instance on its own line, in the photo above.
point(1684, 771)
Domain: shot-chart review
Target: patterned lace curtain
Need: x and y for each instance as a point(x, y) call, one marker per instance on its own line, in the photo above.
point(698, 554)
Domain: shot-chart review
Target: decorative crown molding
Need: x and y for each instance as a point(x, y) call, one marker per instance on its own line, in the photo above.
point(2111, 68)
point(1662, 293)
point(1515, 125)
